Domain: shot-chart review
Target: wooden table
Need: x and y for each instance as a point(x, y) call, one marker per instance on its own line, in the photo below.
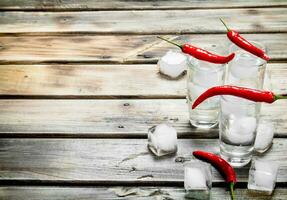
point(79, 88)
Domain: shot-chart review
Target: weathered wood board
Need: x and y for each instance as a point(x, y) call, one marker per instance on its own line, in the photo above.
point(117, 49)
point(108, 193)
point(105, 81)
point(109, 118)
point(101, 161)
point(131, 4)
point(167, 21)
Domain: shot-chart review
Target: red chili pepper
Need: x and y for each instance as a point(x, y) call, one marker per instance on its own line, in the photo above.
point(221, 165)
point(246, 93)
point(244, 44)
point(201, 54)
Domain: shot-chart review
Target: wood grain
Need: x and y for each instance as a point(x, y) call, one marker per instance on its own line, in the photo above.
point(143, 22)
point(107, 193)
point(99, 161)
point(88, 81)
point(109, 118)
point(104, 81)
point(117, 49)
point(56, 5)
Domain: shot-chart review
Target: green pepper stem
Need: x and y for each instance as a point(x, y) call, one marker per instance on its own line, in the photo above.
point(232, 191)
point(280, 96)
point(224, 24)
point(169, 41)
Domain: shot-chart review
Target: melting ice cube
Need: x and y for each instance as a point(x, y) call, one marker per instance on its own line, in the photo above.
point(262, 176)
point(197, 179)
point(162, 140)
point(242, 130)
point(172, 64)
point(264, 137)
point(206, 74)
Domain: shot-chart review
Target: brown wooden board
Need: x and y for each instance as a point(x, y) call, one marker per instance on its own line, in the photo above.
point(88, 81)
point(258, 20)
point(105, 81)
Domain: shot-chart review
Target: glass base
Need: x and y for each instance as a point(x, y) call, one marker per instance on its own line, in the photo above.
point(203, 124)
point(236, 156)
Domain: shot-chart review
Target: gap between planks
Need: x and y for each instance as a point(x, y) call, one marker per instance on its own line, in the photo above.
point(88, 5)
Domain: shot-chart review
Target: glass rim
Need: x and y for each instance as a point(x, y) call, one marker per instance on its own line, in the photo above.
point(194, 62)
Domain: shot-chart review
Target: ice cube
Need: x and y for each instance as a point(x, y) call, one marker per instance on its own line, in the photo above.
point(244, 66)
point(264, 137)
point(172, 64)
point(197, 179)
point(162, 140)
point(262, 176)
point(241, 130)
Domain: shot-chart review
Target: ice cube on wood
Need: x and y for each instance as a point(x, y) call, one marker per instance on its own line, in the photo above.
point(197, 179)
point(162, 140)
point(172, 64)
point(262, 176)
point(264, 137)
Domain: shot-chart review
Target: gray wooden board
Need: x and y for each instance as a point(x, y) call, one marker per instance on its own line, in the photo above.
point(108, 193)
point(131, 4)
point(145, 22)
point(100, 161)
point(109, 118)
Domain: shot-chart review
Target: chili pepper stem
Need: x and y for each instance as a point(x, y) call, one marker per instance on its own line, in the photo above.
point(169, 41)
point(281, 96)
point(232, 191)
point(224, 24)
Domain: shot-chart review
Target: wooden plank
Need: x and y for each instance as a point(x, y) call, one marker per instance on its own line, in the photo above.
point(88, 81)
point(109, 118)
point(107, 193)
point(104, 81)
point(116, 49)
point(139, 22)
point(126, 5)
point(100, 161)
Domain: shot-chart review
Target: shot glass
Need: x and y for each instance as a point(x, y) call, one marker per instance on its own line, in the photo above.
point(239, 117)
point(201, 76)
point(237, 129)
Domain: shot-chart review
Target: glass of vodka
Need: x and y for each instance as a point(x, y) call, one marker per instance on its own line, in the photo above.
point(239, 117)
point(202, 75)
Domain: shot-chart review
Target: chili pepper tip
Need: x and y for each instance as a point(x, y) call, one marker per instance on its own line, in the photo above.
point(266, 57)
point(230, 57)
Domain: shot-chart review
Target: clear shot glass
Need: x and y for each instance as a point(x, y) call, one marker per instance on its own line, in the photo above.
point(202, 75)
